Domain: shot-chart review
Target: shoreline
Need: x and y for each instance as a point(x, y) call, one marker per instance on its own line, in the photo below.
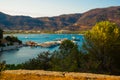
point(13, 47)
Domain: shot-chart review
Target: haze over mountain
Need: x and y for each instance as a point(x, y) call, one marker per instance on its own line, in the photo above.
point(79, 21)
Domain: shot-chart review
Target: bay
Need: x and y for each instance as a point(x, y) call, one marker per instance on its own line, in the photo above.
point(25, 53)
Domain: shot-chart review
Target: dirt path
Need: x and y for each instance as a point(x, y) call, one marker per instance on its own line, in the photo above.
point(51, 75)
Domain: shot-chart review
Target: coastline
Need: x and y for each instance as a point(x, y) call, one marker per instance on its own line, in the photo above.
point(7, 48)
point(43, 32)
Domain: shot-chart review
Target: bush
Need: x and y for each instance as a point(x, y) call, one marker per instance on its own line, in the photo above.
point(13, 39)
point(1, 33)
point(40, 62)
point(103, 46)
point(67, 58)
point(2, 66)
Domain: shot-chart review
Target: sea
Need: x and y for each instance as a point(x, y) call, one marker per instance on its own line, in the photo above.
point(25, 53)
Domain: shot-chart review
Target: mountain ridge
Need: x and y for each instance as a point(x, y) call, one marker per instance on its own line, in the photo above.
point(78, 21)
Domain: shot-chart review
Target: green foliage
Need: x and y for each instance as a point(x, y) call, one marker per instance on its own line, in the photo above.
point(2, 66)
point(2, 45)
point(67, 46)
point(13, 66)
point(68, 58)
point(13, 39)
point(103, 45)
point(1, 33)
point(40, 62)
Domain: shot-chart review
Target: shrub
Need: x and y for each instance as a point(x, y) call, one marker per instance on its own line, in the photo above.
point(103, 45)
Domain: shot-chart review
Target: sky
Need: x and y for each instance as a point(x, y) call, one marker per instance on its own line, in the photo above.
point(43, 8)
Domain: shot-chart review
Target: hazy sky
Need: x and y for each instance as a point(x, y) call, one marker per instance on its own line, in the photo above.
point(38, 8)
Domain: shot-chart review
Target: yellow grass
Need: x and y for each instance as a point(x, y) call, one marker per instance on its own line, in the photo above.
point(48, 75)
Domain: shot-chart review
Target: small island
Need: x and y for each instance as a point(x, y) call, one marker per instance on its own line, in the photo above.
point(9, 42)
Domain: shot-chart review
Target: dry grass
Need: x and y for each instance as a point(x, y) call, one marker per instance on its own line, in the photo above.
point(48, 75)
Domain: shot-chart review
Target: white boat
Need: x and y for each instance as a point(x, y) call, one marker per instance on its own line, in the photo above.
point(75, 39)
point(26, 37)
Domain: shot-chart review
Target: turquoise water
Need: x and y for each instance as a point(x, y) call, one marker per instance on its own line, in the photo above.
point(25, 53)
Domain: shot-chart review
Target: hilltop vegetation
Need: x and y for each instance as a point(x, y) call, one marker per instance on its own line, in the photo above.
point(83, 21)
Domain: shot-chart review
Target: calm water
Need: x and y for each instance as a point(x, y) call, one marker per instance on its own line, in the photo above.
point(25, 53)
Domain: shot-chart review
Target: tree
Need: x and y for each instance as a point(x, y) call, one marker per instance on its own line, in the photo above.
point(42, 61)
point(2, 66)
point(68, 58)
point(13, 39)
point(1, 33)
point(66, 46)
point(102, 43)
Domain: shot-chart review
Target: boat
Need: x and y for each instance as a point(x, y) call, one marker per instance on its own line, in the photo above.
point(26, 37)
point(75, 39)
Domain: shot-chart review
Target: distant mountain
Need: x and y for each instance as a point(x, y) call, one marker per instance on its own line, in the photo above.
point(60, 22)
point(19, 22)
point(71, 21)
point(88, 19)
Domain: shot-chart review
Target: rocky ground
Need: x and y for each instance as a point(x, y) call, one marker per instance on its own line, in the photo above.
point(51, 75)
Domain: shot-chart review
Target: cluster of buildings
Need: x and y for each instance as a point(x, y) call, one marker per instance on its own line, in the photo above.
point(22, 31)
point(38, 31)
point(63, 32)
